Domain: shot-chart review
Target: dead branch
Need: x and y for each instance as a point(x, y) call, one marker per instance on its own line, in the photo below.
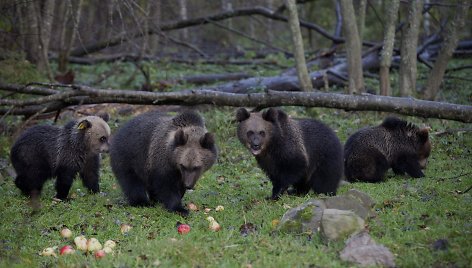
point(212, 78)
point(406, 106)
point(135, 57)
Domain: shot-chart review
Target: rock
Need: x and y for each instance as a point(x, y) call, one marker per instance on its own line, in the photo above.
point(302, 219)
point(364, 198)
point(440, 244)
point(361, 249)
point(354, 200)
point(338, 224)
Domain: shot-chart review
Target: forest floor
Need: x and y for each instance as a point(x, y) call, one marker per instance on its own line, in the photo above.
point(425, 222)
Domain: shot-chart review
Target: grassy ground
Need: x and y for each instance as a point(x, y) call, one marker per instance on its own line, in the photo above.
point(411, 213)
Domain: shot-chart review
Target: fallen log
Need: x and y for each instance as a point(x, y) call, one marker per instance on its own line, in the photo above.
point(406, 106)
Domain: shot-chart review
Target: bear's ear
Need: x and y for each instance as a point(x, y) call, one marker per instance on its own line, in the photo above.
point(207, 141)
point(392, 123)
point(84, 124)
point(423, 134)
point(180, 138)
point(242, 114)
point(104, 115)
point(270, 115)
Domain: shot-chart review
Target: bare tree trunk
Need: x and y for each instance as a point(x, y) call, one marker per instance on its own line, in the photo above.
point(155, 18)
point(270, 32)
point(361, 9)
point(145, 10)
point(391, 13)
point(298, 49)
point(68, 33)
point(353, 48)
point(408, 70)
point(183, 16)
point(451, 39)
point(427, 20)
point(45, 37)
point(32, 46)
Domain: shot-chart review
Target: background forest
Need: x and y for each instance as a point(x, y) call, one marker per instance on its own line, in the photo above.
point(353, 64)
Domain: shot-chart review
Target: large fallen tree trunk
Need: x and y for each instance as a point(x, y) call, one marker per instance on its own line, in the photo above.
point(336, 75)
point(87, 95)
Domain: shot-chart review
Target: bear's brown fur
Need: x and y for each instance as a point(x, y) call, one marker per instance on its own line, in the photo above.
point(156, 157)
point(42, 152)
point(370, 152)
point(303, 153)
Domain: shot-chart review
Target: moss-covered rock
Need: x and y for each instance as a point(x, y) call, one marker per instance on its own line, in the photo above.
point(303, 219)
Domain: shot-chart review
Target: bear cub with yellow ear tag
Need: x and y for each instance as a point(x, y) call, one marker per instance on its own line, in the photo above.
point(157, 157)
point(42, 152)
point(303, 153)
point(371, 151)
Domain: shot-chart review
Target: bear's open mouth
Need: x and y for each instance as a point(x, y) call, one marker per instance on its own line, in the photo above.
point(256, 149)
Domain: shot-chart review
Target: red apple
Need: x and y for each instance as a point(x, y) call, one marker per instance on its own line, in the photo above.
point(100, 254)
point(66, 250)
point(183, 228)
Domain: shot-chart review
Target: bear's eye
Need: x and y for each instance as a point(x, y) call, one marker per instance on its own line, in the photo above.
point(250, 133)
point(262, 133)
point(103, 139)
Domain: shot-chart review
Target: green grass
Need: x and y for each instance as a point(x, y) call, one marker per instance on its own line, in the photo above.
point(411, 213)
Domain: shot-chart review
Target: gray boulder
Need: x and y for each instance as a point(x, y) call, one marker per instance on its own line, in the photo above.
point(339, 224)
point(362, 250)
point(353, 200)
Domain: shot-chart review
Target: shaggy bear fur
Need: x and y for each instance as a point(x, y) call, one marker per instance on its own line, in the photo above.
point(395, 144)
point(156, 158)
point(43, 152)
point(303, 153)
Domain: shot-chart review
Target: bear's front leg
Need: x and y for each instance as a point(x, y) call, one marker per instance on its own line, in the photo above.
point(90, 174)
point(169, 197)
point(65, 178)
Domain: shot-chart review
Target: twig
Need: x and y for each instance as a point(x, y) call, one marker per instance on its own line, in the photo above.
point(468, 189)
point(250, 37)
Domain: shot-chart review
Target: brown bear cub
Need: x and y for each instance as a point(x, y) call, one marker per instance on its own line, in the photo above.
point(370, 152)
point(156, 158)
point(303, 153)
point(43, 151)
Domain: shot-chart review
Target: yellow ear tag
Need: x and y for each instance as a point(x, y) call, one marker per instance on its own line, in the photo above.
point(82, 125)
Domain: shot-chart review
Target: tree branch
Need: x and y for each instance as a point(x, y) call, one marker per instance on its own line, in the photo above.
point(406, 106)
point(80, 51)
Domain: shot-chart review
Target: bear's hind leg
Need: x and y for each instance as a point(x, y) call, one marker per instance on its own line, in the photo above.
point(368, 166)
point(30, 186)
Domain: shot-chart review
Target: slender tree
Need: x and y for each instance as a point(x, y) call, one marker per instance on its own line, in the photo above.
point(353, 47)
point(451, 38)
point(37, 31)
point(361, 9)
point(408, 69)
point(68, 20)
point(298, 49)
point(391, 14)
